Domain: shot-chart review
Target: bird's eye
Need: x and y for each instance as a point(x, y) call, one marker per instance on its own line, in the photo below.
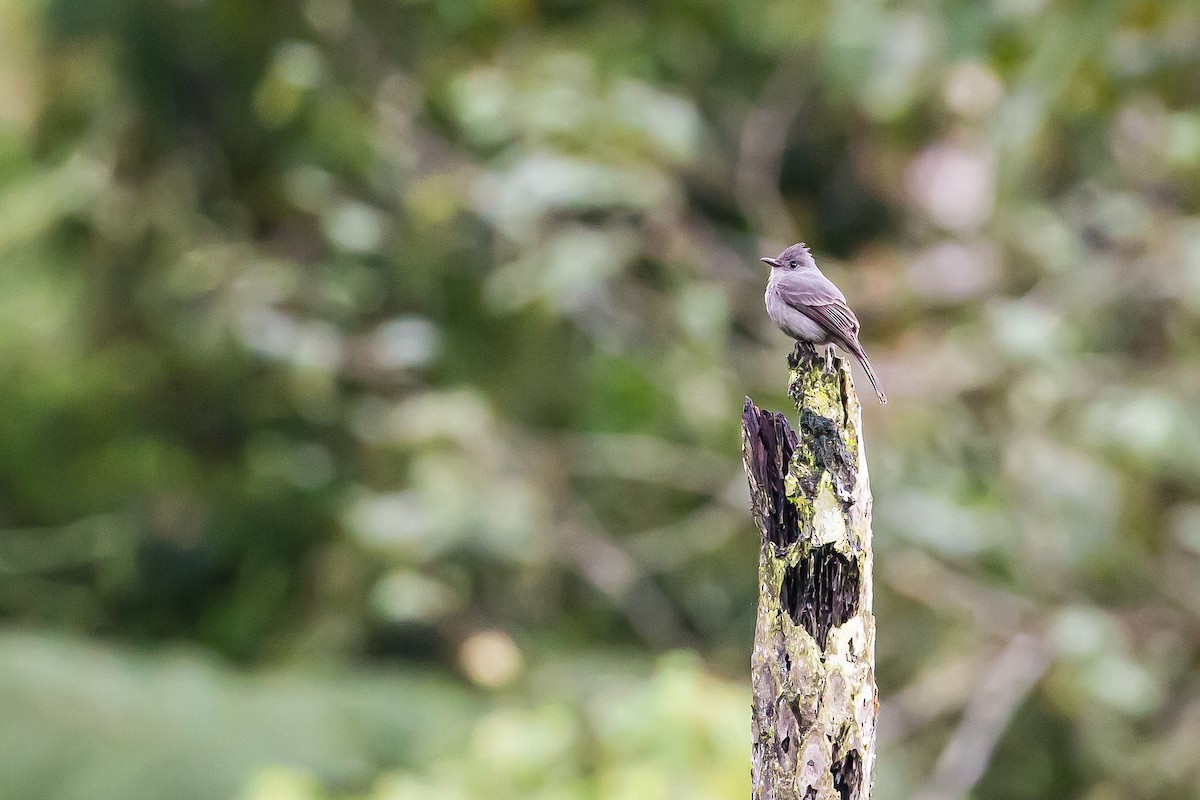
point(793, 264)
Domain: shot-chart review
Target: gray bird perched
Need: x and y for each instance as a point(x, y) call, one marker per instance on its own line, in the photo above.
point(809, 308)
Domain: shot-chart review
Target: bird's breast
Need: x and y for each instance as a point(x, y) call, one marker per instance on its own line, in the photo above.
point(791, 320)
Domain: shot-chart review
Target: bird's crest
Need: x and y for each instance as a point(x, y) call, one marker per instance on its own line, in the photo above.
point(798, 251)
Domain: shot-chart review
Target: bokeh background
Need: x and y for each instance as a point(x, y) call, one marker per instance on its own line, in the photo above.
point(371, 372)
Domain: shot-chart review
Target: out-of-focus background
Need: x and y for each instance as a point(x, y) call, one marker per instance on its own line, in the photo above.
point(371, 371)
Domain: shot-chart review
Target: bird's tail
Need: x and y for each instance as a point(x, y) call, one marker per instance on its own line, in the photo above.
point(861, 355)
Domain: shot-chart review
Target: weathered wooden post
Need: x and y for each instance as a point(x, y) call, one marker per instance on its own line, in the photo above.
point(813, 667)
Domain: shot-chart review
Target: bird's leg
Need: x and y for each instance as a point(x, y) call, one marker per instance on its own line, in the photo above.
point(802, 350)
point(829, 356)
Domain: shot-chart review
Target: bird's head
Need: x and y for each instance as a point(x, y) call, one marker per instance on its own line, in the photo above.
point(794, 257)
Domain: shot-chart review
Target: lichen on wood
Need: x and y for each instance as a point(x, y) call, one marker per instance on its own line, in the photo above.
point(814, 700)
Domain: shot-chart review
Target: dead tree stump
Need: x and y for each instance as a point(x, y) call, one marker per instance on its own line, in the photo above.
point(813, 667)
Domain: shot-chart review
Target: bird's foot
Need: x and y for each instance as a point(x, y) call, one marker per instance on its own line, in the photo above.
point(829, 358)
point(802, 351)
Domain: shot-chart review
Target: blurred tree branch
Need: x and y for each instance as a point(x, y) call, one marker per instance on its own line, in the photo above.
point(994, 700)
point(760, 154)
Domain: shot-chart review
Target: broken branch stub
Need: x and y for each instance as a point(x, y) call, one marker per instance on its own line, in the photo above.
point(813, 675)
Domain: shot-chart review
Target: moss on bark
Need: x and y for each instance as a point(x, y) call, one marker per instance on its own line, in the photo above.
point(815, 703)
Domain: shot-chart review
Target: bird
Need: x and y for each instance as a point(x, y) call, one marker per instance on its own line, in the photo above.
point(808, 307)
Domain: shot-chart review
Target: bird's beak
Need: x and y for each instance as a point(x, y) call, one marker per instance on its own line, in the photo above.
point(773, 262)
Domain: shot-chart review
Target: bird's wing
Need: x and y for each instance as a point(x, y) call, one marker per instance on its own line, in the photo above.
point(825, 305)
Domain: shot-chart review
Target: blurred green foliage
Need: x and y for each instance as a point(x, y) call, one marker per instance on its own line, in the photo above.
point(370, 374)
